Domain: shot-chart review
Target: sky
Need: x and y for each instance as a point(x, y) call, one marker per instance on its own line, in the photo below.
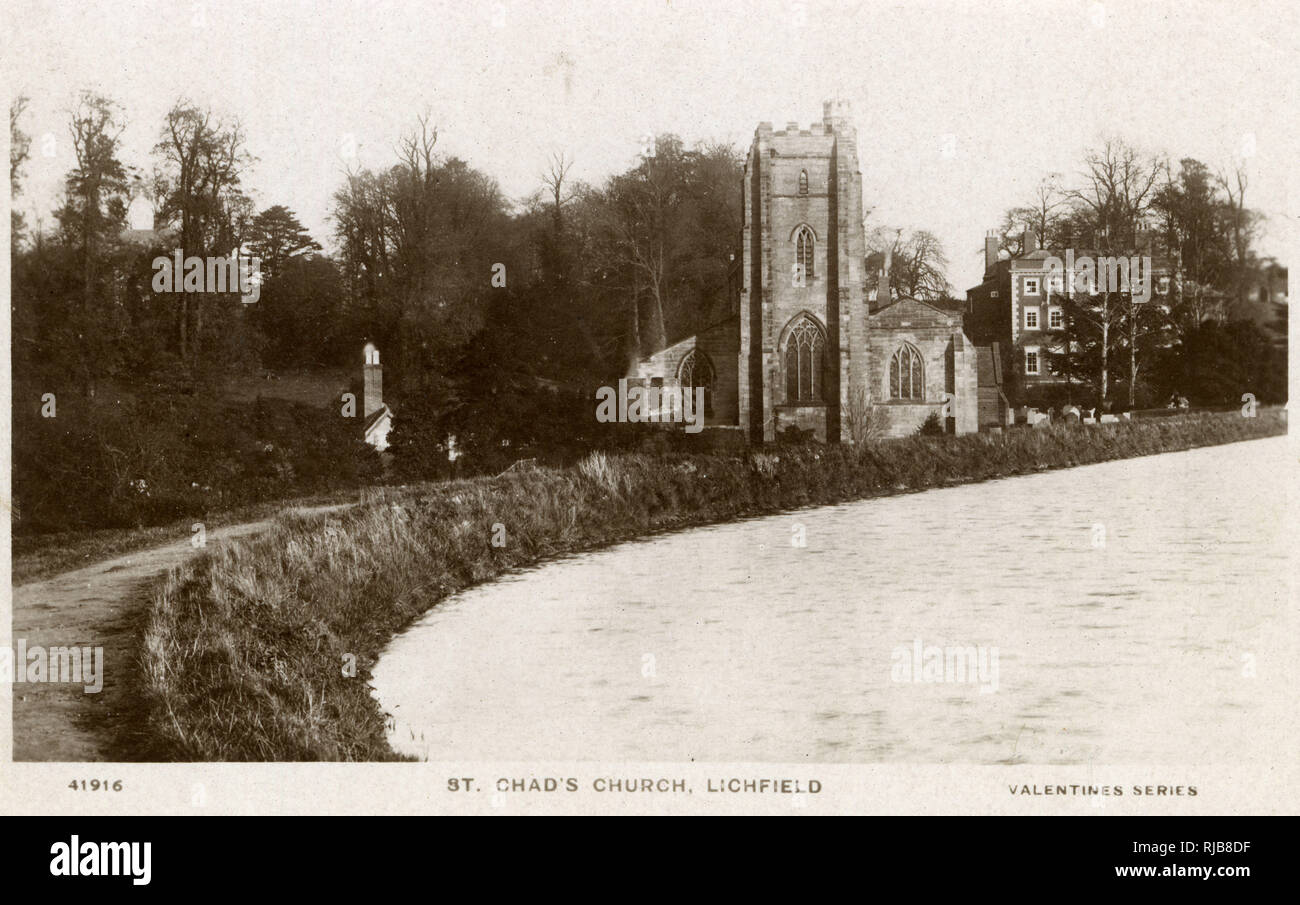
point(961, 107)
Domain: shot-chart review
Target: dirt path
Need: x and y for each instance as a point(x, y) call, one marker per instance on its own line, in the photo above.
point(98, 606)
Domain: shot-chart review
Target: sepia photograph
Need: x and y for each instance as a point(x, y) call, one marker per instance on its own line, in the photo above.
point(683, 407)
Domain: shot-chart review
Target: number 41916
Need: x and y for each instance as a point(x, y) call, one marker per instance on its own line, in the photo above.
point(94, 785)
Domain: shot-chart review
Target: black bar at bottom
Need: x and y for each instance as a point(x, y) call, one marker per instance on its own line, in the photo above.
point(266, 855)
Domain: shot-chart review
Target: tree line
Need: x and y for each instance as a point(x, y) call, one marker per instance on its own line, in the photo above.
point(1211, 335)
point(497, 317)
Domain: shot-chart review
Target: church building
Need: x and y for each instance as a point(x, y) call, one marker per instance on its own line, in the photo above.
point(812, 351)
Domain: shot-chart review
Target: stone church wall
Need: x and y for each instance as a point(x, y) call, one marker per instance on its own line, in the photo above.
point(948, 359)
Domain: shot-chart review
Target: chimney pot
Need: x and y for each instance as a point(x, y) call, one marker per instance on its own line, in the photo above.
point(883, 296)
point(372, 383)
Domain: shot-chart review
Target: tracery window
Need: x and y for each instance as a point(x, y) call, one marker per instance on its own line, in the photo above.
point(906, 374)
point(696, 370)
point(805, 348)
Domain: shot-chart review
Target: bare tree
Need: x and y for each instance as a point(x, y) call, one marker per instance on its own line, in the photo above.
point(1192, 220)
point(866, 423)
point(1043, 214)
point(419, 241)
point(918, 264)
point(20, 143)
point(554, 181)
point(415, 149)
point(1242, 225)
point(1118, 189)
point(198, 184)
point(92, 215)
point(1117, 193)
point(634, 215)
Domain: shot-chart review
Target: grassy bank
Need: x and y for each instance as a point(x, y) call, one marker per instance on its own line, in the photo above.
point(245, 652)
point(38, 556)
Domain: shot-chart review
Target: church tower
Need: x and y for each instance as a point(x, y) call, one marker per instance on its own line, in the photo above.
point(803, 317)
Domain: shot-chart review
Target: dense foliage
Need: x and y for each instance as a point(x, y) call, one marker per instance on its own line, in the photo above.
point(152, 459)
point(496, 320)
point(1215, 329)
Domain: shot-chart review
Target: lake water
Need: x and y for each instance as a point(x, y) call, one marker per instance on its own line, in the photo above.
point(1129, 612)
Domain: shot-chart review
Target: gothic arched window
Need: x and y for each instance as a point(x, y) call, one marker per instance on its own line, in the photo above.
point(906, 375)
point(696, 370)
point(803, 182)
point(804, 243)
point(805, 348)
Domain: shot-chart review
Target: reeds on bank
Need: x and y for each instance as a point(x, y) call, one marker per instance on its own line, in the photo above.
point(261, 649)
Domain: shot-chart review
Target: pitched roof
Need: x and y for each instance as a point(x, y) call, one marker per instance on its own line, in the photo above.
point(945, 313)
point(988, 365)
point(374, 417)
point(711, 325)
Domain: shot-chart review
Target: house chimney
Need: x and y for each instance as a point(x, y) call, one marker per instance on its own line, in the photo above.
point(882, 287)
point(990, 251)
point(1031, 240)
point(372, 383)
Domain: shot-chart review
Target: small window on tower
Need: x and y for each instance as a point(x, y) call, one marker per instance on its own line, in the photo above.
point(803, 182)
point(803, 253)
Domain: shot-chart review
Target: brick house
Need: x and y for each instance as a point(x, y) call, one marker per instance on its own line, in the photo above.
point(1018, 307)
